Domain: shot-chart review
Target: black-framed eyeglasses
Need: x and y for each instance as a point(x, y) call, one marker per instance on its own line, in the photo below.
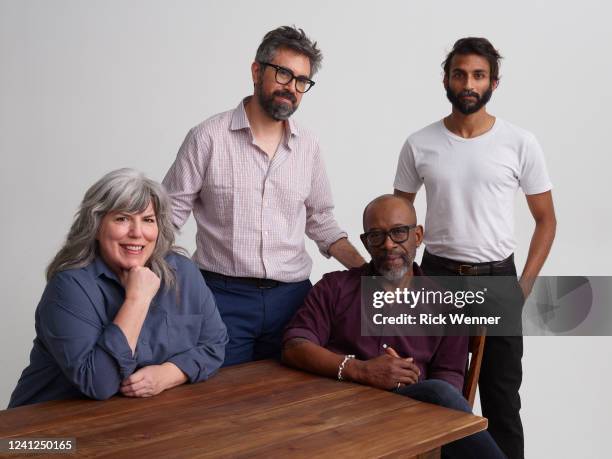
point(285, 76)
point(377, 238)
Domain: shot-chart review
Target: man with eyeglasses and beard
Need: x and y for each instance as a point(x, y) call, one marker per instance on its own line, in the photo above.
point(325, 336)
point(472, 164)
point(256, 182)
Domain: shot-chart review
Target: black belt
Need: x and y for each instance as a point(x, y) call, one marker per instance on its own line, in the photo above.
point(471, 269)
point(254, 281)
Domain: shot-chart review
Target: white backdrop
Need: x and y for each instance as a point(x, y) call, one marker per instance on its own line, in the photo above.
point(90, 86)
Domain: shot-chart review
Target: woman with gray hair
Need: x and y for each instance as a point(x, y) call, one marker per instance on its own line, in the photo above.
point(123, 310)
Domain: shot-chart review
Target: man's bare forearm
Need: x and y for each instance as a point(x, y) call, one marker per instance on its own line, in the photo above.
point(403, 194)
point(543, 211)
point(385, 371)
point(306, 355)
point(343, 251)
point(539, 248)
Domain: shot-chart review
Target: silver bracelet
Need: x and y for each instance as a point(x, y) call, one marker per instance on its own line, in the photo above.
point(343, 364)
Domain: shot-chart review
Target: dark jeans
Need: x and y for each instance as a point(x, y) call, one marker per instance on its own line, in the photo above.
point(255, 317)
point(479, 445)
point(500, 377)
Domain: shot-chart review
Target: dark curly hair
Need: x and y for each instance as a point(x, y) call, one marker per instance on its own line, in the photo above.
point(475, 45)
point(291, 38)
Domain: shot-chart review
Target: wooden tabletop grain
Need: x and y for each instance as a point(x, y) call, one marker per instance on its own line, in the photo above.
point(259, 409)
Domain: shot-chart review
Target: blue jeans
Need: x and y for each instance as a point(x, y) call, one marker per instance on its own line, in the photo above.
point(255, 317)
point(479, 445)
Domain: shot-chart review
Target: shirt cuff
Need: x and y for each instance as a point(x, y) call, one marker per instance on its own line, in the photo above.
point(189, 365)
point(538, 190)
point(327, 242)
point(301, 333)
point(410, 188)
point(114, 342)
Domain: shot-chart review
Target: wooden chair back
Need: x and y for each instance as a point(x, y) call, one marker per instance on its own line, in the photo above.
point(475, 349)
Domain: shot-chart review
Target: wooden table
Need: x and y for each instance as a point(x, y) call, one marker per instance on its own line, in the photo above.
point(259, 409)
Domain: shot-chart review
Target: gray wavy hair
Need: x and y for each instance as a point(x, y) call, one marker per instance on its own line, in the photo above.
point(122, 190)
point(291, 38)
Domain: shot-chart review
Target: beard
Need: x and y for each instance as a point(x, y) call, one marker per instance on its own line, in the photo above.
point(279, 111)
point(466, 107)
point(396, 273)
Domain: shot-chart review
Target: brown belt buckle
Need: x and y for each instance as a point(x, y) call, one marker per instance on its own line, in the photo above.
point(467, 270)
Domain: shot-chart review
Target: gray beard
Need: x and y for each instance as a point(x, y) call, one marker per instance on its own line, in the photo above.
point(394, 275)
point(278, 112)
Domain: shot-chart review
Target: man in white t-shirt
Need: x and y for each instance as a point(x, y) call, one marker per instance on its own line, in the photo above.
point(472, 164)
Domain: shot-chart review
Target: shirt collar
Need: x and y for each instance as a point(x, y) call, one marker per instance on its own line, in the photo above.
point(241, 121)
point(293, 132)
point(292, 127)
point(370, 270)
point(100, 268)
point(239, 117)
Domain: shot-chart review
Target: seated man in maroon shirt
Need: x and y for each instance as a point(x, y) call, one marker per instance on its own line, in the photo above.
point(324, 336)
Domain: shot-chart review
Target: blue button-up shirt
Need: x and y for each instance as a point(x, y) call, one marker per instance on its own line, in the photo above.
point(79, 351)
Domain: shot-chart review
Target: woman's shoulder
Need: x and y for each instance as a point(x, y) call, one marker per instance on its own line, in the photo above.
point(71, 279)
point(180, 261)
point(71, 289)
point(186, 270)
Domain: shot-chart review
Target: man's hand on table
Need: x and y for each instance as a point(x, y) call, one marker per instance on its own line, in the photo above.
point(384, 371)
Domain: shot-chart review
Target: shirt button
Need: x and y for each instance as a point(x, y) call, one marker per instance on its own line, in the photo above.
point(265, 233)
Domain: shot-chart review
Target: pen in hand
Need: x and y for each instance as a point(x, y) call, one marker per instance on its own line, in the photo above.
point(389, 350)
point(393, 353)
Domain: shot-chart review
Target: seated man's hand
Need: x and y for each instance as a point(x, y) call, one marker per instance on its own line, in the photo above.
point(384, 371)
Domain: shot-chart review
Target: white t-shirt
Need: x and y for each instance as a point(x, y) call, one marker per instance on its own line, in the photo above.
point(470, 186)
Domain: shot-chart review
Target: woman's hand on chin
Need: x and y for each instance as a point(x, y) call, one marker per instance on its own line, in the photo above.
point(140, 283)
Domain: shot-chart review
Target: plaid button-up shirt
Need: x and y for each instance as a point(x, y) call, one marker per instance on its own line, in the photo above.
point(252, 211)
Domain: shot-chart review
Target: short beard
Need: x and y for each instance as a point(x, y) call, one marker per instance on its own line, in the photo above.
point(468, 108)
point(276, 111)
point(394, 275)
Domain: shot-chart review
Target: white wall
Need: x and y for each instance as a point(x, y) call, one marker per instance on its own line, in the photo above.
point(86, 87)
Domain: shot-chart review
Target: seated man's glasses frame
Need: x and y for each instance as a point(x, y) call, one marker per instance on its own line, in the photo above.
point(376, 238)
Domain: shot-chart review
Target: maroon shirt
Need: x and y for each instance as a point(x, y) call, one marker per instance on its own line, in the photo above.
point(331, 318)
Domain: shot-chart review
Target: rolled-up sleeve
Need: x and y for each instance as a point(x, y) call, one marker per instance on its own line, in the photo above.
point(321, 225)
point(95, 358)
point(313, 320)
point(115, 343)
point(449, 361)
point(207, 355)
point(184, 179)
